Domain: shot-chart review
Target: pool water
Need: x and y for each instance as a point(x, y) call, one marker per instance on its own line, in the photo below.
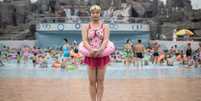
point(114, 70)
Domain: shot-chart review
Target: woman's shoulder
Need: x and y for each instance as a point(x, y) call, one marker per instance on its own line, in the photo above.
point(105, 25)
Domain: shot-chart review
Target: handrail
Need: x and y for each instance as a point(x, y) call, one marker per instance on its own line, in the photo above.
point(102, 19)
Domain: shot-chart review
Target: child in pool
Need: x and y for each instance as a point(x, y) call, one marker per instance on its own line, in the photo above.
point(196, 61)
point(184, 61)
point(63, 64)
point(56, 61)
point(146, 62)
point(18, 58)
point(34, 60)
point(8, 57)
point(72, 58)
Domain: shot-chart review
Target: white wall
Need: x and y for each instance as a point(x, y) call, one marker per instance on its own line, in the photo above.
point(78, 26)
point(18, 44)
point(180, 44)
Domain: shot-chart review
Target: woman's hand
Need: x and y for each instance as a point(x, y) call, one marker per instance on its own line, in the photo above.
point(92, 53)
point(99, 53)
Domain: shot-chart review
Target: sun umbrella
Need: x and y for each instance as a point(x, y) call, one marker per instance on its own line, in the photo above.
point(184, 32)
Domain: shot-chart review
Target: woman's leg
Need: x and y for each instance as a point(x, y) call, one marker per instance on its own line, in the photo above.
point(133, 61)
point(127, 63)
point(92, 82)
point(24, 59)
point(65, 63)
point(100, 82)
point(76, 64)
point(27, 59)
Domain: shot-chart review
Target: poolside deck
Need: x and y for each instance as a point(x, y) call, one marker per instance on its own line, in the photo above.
point(154, 89)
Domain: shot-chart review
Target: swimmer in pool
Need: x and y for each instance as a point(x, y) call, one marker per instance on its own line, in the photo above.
point(34, 60)
point(119, 59)
point(8, 49)
point(56, 61)
point(156, 46)
point(66, 51)
point(146, 62)
point(72, 59)
point(139, 53)
point(18, 58)
point(177, 50)
point(171, 50)
point(196, 61)
point(127, 49)
point(184, 61)
point(151, 58)
point(170, 60)
point(4, 50)
point(75, 49)
point(188, 52)
point(25, 52)
point(63, 64)
point(42, 62)
point(191, 65)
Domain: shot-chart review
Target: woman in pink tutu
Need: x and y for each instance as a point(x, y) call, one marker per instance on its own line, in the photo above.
point(95, 36)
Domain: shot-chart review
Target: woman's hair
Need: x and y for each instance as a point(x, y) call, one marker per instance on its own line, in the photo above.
point(128, 40)
point(66, 40)
point(18, 52)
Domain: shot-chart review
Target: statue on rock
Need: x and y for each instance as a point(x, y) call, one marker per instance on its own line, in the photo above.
point(174, 35)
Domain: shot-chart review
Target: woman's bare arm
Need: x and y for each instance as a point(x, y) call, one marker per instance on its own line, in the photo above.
point(84, 38)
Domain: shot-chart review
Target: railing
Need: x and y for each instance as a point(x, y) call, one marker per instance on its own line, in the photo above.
point(87, 19)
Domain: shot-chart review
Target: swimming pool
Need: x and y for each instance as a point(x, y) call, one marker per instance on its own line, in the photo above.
point(114, 71)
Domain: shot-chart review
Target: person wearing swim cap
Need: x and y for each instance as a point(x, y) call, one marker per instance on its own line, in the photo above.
point(146, 62)
point(75, 49)
point(25, 52)
point(95, 36)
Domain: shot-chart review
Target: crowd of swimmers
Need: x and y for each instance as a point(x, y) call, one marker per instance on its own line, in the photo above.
point(132, 54)
point(40, 56)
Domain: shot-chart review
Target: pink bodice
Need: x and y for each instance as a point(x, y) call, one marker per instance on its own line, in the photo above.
point(95, 37)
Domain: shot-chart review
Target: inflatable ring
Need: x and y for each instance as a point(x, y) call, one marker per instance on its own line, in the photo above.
point(160, 58)
point(179, 57)
point(76, 55)
point(108, 50)
point(34, 51)
point(82, 64)
point(57, 65)
point(122, 60)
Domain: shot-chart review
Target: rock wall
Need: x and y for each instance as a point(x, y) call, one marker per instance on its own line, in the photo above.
point(20, 14)
point(8, 13)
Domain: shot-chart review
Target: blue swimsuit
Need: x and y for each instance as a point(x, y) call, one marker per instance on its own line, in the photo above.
point(66, 51)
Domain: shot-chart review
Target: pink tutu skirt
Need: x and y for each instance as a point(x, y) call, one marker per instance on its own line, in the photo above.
point(96, 62)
